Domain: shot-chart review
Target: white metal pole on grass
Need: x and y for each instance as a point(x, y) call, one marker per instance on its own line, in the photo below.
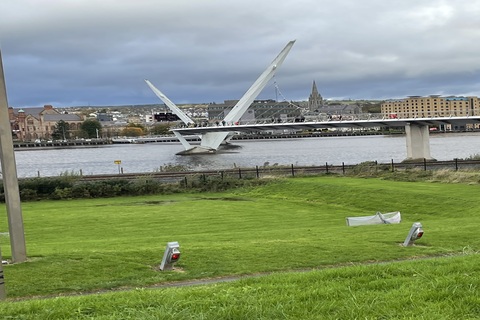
point(9, 178)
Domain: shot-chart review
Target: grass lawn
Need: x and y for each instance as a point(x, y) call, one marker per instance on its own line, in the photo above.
point(296, 224)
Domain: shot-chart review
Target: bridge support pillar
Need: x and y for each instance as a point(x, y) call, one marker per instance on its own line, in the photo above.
point(418, 143)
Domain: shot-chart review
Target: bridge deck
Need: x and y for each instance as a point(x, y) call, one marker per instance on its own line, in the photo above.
point(455, 121)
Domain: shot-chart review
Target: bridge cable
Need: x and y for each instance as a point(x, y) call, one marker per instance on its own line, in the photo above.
point(277, 90)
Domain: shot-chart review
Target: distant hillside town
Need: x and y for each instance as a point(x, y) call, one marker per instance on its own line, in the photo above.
point(87, 122)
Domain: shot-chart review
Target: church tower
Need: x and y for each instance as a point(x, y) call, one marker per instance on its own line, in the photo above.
point(315, 101)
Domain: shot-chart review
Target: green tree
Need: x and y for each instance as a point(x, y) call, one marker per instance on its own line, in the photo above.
point(132, 132)
point(137, 125)
point(61, 131)
point(160, 129)
point(91, 128)
point(370, 107)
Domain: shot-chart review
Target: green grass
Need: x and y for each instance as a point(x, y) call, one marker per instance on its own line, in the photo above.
point(83, 246)
point(442, 288)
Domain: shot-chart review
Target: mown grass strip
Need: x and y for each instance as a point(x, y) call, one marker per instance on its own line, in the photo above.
point(442, 288)
point(86, 245)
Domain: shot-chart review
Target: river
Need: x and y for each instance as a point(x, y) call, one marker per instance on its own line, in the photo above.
point(149, 157)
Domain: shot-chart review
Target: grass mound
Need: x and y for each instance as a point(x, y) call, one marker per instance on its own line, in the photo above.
point(285, 227)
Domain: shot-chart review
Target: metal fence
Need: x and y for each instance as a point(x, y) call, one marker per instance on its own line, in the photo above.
point(292, 170)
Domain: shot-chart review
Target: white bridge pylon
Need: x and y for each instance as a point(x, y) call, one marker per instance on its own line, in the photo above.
point(211, 141)
point(186, 119)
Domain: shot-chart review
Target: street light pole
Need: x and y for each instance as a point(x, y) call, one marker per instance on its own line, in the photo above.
point(9, 177)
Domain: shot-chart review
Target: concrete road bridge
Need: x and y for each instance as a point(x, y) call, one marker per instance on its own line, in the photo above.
point(416, 129)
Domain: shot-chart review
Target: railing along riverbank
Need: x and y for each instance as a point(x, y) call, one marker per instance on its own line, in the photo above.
point(60, 144)
point(292, 170)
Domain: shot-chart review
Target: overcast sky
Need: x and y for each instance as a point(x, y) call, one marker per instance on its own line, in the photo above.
point(97, 52)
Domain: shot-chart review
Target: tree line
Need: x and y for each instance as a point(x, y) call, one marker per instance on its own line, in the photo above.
point(92, 128)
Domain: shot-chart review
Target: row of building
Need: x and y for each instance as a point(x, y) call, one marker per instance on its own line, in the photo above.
point(30, 124)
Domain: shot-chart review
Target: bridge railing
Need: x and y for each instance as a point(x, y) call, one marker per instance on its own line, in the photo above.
point(325, 117)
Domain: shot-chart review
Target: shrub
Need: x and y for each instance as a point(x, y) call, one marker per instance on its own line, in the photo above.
point(214, 183)
point(169, 167)
point(108, 188)
point(45, 186)
point(367, 168)
point(62, 193)
point(71, 186)
point(148, 186)
point(28, 194)
point(475, 156)
point(80, 190)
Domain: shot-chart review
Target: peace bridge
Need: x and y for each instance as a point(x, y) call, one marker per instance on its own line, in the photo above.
point(417, 129)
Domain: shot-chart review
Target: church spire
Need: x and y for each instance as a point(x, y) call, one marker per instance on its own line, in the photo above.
point(314, 88)
point(315, 101)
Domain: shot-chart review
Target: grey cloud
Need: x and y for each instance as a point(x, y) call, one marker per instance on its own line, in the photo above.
point(99, 52)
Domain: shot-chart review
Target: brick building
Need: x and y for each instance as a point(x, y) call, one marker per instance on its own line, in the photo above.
point(30, 124)
point(431, 106)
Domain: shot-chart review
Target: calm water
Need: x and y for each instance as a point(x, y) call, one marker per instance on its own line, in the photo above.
point(136, 158)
